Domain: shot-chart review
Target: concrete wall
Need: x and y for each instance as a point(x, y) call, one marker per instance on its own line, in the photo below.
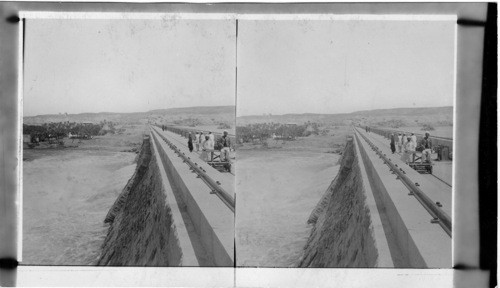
point(414, 241)
point(342, 235)
point(142, 231)
point(212, 221)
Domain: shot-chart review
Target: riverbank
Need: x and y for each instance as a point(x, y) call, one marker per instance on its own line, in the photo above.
point(67, 193)
point(277, 188)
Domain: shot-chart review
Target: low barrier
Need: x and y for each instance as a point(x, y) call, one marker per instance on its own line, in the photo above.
point(442, 143)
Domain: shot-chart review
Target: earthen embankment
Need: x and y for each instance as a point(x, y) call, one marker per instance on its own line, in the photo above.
point(142, 232)
point(342, 235)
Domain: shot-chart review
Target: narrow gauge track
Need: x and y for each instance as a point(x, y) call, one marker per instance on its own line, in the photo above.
point(438, 215)
point(213, 185)
point(449, 185)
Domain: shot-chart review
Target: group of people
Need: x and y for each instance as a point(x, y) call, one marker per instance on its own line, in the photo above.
point(206, 143)
point(407, 146)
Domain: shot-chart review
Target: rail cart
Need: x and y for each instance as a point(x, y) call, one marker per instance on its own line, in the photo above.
point(419, 165)
point(220, 165)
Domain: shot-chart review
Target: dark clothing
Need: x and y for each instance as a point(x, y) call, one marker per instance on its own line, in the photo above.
point(190, 143)
point(426, 143)
point(393, 144)
point(225, 141)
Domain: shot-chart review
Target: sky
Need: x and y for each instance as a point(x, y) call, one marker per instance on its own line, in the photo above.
point(75, 66)
point(343, 66)
point(284, 66)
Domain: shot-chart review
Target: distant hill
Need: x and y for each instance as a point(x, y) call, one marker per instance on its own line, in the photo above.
point(381, 117)
point(406, 111)
point(200, 110)
point(206, 115)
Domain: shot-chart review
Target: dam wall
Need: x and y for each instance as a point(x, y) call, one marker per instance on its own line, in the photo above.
point(368, 217)
point(342, 235)
point(167, 215)
point(142, 230)
point(210, 220)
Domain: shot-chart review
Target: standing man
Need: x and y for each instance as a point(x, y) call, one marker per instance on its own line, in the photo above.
point(201, 140)
point(225, 144)
point(393, 143)
point(399, 142)
point(212, 137)
point(197, 141)
point(190, 142)
point(427, 146)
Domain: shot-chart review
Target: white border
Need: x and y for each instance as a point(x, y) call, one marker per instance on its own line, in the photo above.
point(453, 165)
point(20, 139)
point(230, 16)
point(125, 15)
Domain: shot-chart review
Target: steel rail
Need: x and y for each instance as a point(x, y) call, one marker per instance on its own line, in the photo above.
point(213, 185)
point(439, 216)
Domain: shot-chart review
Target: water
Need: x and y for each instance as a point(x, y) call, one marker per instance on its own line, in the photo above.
point(276, 192)
point(66, 195)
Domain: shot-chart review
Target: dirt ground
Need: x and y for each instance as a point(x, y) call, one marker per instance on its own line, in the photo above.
point(331, 143)
point(67, 192)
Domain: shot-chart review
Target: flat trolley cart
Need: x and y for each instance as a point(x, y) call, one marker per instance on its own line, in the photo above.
point(214, 160)
point(420, 166)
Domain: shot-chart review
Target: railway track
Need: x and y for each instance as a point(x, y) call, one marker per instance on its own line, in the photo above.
point(214, 186)
point(439, 216)
point(443, 181)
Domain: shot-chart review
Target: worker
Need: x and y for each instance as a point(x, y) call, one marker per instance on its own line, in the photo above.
point(426, 144)
point(225, 144)
point(393, 143)
point(190, 142)
point(197, 141)
point(206, 148)
point(399, 142)
point(202, 139)
point(404, 140)
point(212, 137)
point(414, 138)
point(409, 151)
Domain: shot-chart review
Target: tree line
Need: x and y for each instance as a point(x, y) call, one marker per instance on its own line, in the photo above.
point(60, 130)
point(263, 131)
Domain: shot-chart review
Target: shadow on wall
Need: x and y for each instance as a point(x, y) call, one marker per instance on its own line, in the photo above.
point(342, 235)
